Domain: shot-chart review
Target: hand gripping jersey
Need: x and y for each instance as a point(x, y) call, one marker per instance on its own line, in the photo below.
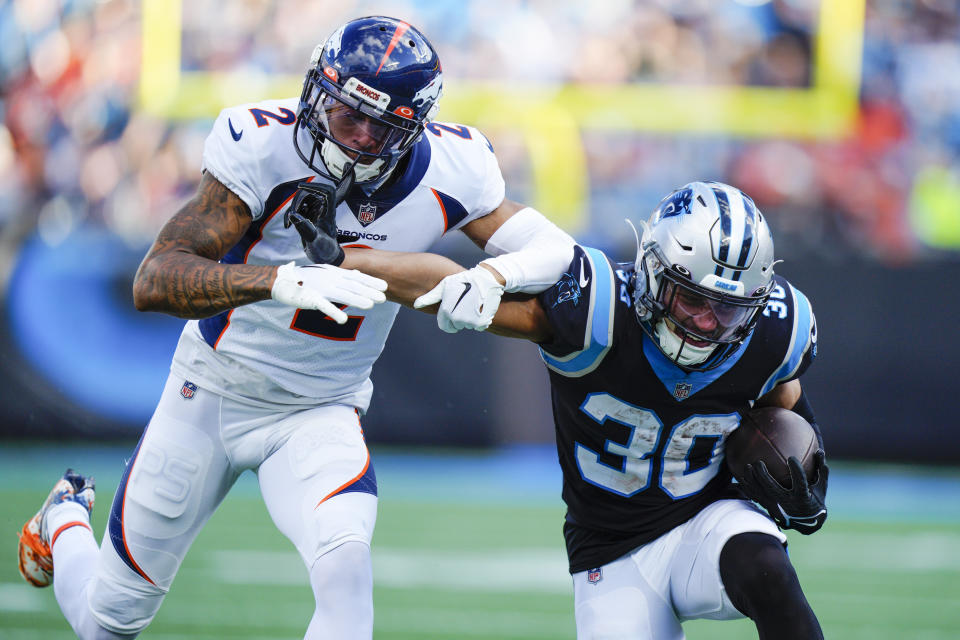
point(269, 351)
point(640, 441)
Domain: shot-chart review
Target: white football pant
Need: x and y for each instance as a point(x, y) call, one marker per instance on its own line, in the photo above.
point(646, 594)
point(316, 480)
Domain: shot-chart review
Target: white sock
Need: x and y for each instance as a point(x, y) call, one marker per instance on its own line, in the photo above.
point(342, 581)
point(75, 553)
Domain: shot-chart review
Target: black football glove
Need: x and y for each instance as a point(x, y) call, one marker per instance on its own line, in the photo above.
point(801, 507)
point(313, 213)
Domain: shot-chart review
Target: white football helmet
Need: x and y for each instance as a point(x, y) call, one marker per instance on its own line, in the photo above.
point(703, 273)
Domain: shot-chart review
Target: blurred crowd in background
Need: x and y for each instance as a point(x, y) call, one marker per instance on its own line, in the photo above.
point(75, 149)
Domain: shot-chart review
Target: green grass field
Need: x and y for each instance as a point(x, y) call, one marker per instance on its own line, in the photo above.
point(466, 558)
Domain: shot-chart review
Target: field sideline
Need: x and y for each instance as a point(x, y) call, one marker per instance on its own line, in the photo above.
point(468, 546)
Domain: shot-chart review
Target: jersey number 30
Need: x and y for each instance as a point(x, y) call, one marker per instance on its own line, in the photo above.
point(687, 460)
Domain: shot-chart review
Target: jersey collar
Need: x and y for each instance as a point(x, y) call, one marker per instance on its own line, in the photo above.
point(683, 384)
point(368, 208)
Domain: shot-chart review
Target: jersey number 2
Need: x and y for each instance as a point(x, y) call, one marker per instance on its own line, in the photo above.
point(318, 324)
point(689, 459)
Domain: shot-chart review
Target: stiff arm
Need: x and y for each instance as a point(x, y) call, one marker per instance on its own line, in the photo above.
point(410, 275)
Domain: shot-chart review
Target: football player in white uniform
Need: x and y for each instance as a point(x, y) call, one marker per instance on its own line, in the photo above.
point(272, 371)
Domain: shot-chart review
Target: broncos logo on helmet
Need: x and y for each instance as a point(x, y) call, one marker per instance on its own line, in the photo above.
point(369, 91)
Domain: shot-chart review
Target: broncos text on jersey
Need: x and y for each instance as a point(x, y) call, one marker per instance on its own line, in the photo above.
point(269, 351)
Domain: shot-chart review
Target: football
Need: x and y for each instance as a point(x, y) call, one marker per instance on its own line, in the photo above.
point(772, 434)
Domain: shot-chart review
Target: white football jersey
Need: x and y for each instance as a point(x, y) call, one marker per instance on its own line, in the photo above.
point(275, 353)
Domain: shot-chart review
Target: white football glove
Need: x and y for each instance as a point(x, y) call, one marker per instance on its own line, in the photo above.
point(468, 300)
point(320, 286)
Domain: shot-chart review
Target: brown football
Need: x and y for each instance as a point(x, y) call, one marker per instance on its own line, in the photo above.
point(772, 434)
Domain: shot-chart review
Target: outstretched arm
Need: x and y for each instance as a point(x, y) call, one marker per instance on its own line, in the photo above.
point(530, 254)
point(410, 275)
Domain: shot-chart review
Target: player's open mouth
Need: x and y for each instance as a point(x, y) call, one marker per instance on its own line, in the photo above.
point(697, 343)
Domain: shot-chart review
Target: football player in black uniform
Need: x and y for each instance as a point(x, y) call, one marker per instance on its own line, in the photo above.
point(651, 366)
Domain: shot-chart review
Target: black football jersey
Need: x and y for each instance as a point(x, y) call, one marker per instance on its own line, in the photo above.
point(641, 441)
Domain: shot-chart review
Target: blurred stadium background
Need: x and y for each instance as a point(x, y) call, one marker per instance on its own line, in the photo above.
point(840, 117)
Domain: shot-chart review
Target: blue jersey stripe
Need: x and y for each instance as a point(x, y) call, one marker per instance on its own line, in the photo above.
point(799, 341)
point(115, 521)
point(600, 325)
point(387, 197)
point(453, 211)
point(238, 253)
point(367, 483)
point(211, 328)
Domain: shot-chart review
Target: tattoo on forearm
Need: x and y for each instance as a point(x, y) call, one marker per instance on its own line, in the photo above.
point(181, 274)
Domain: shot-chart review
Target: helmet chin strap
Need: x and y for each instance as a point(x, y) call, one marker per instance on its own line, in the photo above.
point(337, 162)
point(671, 344)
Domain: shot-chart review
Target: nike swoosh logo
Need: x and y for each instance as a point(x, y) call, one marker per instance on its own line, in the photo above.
point(466, 288)
point(236, 136)
point(806, 521)
point(584, 281)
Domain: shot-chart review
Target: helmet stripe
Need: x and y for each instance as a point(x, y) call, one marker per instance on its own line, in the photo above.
point(726, 224)
point(750, 222)
point(401, 29)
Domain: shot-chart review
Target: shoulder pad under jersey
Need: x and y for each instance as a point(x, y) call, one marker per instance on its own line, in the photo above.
point(789, 323)
point(250, 149)
point(463, 171)
point(580, 307)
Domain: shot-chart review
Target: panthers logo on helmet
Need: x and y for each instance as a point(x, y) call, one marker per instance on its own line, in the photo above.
point(704, 269)
point(677, 204)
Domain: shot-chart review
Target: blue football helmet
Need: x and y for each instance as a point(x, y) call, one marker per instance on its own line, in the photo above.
point(369, 91)
point(703, 273)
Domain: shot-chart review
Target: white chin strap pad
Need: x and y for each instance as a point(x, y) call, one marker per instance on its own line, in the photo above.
point(670, 344)
point(337, 161)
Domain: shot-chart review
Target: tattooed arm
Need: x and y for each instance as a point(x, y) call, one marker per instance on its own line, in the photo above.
point(181, 275)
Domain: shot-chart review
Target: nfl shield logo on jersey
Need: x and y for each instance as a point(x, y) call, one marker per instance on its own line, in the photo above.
point(682, 390)
point(594, 575)
point(188, 389)
point(367, 213)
